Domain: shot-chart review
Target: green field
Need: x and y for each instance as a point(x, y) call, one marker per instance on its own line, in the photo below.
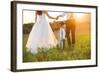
point(80, 51)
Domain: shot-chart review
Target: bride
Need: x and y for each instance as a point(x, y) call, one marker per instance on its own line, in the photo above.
point(41, 35)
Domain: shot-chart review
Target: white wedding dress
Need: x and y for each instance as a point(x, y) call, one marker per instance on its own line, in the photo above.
point(41, 35)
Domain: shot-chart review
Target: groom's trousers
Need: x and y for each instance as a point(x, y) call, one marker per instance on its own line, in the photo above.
point(70, 31)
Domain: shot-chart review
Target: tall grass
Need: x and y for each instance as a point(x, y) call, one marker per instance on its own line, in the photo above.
point(80, 51)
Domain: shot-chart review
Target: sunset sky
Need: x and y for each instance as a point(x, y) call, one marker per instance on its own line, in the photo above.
point(29, 17)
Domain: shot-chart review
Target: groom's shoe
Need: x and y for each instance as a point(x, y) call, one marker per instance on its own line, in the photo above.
point(73, 45)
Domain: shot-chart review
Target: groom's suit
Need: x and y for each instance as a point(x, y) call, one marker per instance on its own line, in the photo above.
point(70, 29)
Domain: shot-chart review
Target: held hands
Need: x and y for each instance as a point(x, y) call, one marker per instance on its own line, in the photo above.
point(57, 17)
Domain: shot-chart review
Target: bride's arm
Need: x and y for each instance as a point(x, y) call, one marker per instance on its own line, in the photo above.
point(50, 16)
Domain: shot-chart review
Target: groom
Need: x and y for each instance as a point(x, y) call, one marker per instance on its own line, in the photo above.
point(70, 28)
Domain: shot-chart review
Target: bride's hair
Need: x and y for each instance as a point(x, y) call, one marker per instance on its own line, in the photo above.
point(39, 12)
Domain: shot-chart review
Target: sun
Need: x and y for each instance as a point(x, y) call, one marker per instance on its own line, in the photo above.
point(78, 15)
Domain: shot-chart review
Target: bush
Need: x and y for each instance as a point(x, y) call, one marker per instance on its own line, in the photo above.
point(27, 28)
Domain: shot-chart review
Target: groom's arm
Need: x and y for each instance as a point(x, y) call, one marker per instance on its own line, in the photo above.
point(62, 15)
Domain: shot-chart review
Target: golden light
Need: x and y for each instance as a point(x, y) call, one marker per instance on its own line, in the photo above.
point(78, 15)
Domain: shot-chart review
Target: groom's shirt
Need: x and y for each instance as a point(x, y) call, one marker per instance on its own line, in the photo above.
point(64, 16)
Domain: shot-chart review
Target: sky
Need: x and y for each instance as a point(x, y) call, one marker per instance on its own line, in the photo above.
point(29, 16)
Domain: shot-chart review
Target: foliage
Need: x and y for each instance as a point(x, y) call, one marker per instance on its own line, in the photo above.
point(27, 28)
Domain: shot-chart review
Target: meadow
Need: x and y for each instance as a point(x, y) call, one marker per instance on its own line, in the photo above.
point(81, 50)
